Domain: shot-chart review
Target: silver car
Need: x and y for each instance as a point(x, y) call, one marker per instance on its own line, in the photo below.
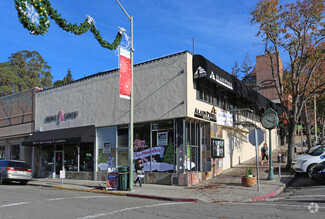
point(15, 170)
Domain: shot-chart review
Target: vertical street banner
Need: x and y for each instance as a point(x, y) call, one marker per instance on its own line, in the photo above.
point(125, 74)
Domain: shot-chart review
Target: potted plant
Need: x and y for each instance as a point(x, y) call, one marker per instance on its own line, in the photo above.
point(249, 179)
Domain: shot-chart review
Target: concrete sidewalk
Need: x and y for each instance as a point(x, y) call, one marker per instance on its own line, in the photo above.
point(226, 187)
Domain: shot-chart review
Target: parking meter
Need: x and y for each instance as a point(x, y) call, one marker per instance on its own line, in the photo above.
point(279, 160)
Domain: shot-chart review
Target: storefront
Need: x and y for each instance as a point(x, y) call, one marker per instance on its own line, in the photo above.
point(185, 128)
point(69, 149)
point(17, 114)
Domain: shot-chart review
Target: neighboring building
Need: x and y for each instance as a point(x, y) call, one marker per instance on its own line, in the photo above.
point(17, 120)
point(190, 122)
point(261, 79)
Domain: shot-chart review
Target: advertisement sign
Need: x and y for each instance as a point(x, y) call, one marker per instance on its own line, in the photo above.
point(218, 148)
point(107, 147)
point(125, 74)
point(224, 118)
point(162, 138)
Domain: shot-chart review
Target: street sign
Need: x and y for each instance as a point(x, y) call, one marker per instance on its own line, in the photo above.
point(260, 137)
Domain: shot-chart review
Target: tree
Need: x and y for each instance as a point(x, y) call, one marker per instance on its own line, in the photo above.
point(24, 70)
point(67, 79)
point(246, 65)
point(235, 70)
point(297, 29)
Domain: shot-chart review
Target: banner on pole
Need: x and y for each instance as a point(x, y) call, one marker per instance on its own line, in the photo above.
point(125, 74)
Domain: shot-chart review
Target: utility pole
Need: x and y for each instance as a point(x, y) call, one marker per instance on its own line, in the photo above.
point(131, 105)
point(315, 132)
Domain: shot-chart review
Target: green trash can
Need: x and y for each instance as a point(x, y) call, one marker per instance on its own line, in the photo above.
point(123, 178)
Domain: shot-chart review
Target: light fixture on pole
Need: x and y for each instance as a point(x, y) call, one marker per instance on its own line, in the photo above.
point(131, 105)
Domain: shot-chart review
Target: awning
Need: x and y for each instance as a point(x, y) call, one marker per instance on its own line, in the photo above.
point(78, 135)
point(204, 70)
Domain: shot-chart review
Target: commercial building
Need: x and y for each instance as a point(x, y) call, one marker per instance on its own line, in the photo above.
point(191, 122)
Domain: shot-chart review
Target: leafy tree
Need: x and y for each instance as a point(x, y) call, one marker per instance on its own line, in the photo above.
point(235, 70)
point(297, 29)
point(67, 79)
point(246, 65)
point(24, 70)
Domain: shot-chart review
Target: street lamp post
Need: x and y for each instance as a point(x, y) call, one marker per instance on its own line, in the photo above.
point(131, 104)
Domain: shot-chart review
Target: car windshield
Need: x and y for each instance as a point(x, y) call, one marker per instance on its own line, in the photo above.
point(318, 151)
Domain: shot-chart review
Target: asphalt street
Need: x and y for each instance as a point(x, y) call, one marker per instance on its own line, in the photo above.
point(18, 201)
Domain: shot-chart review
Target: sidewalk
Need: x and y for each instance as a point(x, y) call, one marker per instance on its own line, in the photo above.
point(226, 187)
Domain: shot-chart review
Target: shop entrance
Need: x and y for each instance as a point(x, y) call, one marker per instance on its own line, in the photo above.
point(58, 163)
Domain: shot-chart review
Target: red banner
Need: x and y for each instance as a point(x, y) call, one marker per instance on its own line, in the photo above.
point(125, 74)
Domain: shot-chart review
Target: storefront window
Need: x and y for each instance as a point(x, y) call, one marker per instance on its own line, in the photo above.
point(2, 152)
point(86, 157)
point(161, 158)
point(47, 160)
point(163, 139)
point(71, 157)
point(15, 152)
point(123, 137)
point(141, 144)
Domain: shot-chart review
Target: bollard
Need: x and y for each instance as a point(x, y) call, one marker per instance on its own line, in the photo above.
point(279, 161)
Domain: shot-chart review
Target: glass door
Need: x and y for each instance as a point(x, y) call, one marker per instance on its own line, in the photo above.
point(58, 163)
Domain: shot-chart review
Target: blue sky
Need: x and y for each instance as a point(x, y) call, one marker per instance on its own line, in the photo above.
point(221, 28)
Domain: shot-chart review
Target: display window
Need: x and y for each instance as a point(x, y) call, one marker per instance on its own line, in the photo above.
point(86, 157)
point(156, 148)
point(2, 152)
point(47, 160)
point(71, 157)
point(15, 152)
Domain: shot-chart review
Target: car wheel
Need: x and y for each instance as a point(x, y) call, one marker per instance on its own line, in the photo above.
point(310, 170)
point(0, 180)
point(23, 182)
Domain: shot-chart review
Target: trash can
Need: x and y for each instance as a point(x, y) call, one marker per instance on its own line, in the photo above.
point(123, 178)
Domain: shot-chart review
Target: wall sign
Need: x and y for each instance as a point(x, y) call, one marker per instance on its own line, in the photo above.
point(225, 119)
point(210, 116)
point(61, 116)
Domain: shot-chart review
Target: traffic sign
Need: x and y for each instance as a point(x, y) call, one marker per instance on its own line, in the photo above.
point(260, 137)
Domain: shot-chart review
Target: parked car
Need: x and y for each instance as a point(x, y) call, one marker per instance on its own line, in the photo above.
point(15, 170)
point(318, 172)
point(305, 163)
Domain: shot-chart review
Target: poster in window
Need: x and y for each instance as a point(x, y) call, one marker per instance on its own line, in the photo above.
point(107, 147)
point(217, 148)
point(162, 138)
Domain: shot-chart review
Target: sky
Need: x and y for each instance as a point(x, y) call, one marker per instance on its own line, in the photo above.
point(221, 28)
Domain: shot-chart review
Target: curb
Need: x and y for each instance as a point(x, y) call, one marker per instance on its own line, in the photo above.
point(122, 193)
point(275, 192)
point(162, 198)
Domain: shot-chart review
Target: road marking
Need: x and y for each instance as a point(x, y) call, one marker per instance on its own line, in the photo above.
point(130, 209)
point(52, 199)
point(14, 204)
point(266, 204)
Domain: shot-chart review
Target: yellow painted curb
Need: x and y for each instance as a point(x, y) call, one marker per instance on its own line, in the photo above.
point(91, 190)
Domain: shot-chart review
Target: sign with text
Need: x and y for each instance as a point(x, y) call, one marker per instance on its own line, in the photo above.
point(162, 138)
point(107, 147)
point(125, 74)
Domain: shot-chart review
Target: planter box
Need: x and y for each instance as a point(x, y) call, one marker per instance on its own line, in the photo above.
point(248, 181)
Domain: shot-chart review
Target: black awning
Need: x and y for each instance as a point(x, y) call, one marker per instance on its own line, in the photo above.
point(203, 68)
point(80, 134)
